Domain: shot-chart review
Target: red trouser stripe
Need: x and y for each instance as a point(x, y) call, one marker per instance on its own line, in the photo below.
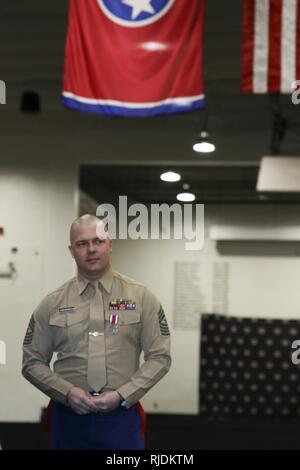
point(143, 416)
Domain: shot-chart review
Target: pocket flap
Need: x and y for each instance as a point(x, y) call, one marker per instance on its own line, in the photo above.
point(58, 319)
point(126, 317)
point(75, 317)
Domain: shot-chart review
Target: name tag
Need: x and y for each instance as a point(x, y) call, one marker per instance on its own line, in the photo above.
point(67, 309)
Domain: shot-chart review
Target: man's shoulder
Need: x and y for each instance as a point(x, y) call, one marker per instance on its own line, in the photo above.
point(54, 298)
point(128, 280)
point(146, 300)
point(136, 289)
point(65, 287)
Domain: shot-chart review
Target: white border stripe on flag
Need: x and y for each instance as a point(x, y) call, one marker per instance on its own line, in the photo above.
point(261, 46)
point(179, 101)
point(288, 45)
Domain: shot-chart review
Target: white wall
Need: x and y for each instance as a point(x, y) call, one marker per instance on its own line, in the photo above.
point(37, 204)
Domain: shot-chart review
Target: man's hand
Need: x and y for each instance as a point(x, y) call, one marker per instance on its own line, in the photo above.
point(107, 401)
point(81, 401)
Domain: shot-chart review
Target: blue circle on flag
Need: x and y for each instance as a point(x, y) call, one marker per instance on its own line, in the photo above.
point(134, 13)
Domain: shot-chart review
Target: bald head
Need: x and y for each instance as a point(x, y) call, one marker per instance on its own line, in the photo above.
point(90, 246)
point(84, 221)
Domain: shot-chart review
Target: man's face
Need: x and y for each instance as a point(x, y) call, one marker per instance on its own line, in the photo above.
point(90, 250)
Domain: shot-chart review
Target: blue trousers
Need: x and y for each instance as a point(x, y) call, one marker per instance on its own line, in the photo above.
point(121, 429)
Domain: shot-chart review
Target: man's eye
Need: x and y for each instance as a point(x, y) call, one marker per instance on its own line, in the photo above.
point(98, 241)
point(81, 244)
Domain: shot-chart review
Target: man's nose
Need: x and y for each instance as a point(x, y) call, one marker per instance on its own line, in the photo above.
point(91, 246)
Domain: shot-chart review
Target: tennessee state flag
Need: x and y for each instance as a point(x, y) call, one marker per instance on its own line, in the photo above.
point(134, 57)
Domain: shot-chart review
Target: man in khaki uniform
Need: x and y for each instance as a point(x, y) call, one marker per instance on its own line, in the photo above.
point(98, 323)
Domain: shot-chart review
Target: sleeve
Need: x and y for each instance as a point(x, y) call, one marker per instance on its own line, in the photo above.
point(155, 342)
point(37, 354)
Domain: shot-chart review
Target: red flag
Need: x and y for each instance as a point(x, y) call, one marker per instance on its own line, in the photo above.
point(134, 57)
point(271, 45)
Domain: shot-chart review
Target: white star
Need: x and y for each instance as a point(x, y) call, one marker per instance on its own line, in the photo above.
point(138, 6)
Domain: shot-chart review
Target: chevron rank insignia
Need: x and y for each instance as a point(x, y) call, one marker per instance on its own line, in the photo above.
point(30, 331)
point(163, 324)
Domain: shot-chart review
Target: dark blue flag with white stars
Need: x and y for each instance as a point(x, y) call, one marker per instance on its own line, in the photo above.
point(249, 368)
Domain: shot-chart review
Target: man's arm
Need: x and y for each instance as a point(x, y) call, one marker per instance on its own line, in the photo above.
point(155, 341)
point(37, 354)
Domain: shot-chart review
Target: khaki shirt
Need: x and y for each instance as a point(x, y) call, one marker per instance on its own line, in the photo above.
point(61, 324)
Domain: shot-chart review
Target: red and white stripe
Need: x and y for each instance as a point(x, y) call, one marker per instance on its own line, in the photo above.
point(271, 45)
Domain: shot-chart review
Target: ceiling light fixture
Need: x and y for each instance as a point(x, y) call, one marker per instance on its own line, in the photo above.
point(186, 197)
point(170, 177)
point(203, 144)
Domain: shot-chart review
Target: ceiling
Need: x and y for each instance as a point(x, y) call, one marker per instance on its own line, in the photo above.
point(224, 184)
point(32, 36)
point(143, 182)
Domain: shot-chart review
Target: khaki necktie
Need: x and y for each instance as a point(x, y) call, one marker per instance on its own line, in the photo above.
point(96, 351)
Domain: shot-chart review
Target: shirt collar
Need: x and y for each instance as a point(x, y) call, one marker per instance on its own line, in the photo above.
point(106, 280)
point(82, 283)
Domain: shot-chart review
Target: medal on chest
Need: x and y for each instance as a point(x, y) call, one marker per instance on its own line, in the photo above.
point(122, 304)
point(114, 323)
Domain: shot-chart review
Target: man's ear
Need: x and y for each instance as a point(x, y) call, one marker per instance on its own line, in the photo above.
point(71, 250)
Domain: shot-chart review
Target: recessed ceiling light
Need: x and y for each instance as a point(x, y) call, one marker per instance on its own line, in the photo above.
point(170, 177)
point(204, 145)
point(186, 197)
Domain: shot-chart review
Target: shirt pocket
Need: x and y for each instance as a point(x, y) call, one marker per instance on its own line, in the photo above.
point(126, 333)
point(77, 326)
point(67, 330)
point(58, 324)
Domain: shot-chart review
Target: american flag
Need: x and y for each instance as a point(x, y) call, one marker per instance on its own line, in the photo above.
point(270, 46)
